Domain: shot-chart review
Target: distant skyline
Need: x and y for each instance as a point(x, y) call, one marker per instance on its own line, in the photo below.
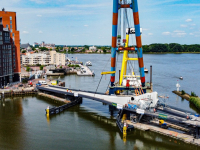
point(86, 22)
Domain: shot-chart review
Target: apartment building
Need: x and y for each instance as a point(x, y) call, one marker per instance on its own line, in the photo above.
point(46, 58)
point(57, 58)
point(9, 47)
point(6, 62)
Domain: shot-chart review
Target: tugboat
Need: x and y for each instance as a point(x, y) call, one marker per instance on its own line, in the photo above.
point(181, 78)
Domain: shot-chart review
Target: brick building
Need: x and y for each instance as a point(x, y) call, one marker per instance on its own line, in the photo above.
point(10, 68)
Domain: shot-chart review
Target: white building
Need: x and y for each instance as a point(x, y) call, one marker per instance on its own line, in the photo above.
point(46, 58)
point(93, 48)
point(57, 58)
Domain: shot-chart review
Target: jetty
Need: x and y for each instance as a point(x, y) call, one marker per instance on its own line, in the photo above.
point(173, 117)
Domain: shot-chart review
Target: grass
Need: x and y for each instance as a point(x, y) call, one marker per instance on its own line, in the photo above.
point(195, 101)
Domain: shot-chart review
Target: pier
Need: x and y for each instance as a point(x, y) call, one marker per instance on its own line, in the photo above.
point(174, 118)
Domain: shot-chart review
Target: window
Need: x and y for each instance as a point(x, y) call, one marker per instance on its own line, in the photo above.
point(10, 26)
point(10, 22)
point(13, 34)
point(10, 30)
point(6, 26)
point(0, 20)
point(10, 18)
point(0, 33)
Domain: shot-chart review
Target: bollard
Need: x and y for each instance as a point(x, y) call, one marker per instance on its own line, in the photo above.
point(124, 117)
point(47, 111)
point(124, 129)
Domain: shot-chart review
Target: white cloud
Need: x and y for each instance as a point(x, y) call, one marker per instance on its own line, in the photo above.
point(25, 32)
point(86, 25)
point(183, 25)
point(90, 5)
point(38, 1)
point(191, 33)
point(150, 33)
point(166, 33)
point(193, 24)
point(188, 20)
point(40, 32)
point(187, 5)
point(179, 33)
point(39, 15)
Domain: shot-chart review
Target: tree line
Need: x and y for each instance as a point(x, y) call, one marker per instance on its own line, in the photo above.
point(172, 48)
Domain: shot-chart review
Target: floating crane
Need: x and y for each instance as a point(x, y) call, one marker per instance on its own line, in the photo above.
point(126, 82)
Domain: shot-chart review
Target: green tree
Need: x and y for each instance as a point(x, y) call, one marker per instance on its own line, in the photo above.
point(86, 46)
point(41, 67)
point(43, 48)
point(24, 51)
point(72, 49)
point(28, 69)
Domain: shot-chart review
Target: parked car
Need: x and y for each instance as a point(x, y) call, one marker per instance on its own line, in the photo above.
point(21, 85)
point(38, 84)
point(42, 82)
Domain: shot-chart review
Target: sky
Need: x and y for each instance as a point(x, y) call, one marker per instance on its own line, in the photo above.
point(89, 22)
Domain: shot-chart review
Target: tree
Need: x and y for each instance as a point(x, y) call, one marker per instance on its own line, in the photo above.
point(43, 48)
point(60, 67)
point(72, 49)
point(28, 69)
point(41, 67)
point(24, 51)
point(86, 46)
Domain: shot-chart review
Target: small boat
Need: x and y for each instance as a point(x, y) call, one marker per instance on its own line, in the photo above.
point(88, 63)
point(181, 78)
point(146, 70)
point(85, 71)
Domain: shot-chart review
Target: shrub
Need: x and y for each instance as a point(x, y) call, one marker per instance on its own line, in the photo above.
point(41, 67)
point(24, 81)
point(182, 92)
point(77, 66)
point(195, 101)
point(193, 94)
point(28, 69)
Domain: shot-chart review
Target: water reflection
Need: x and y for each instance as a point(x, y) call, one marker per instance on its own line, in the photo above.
point(12, 125)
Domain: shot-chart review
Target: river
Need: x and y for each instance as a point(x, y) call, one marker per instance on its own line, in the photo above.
point(23, 124)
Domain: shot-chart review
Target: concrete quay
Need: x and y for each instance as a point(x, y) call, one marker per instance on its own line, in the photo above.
point(179, 136)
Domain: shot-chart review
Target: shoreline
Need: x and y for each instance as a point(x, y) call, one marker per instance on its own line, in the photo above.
point(146, 53)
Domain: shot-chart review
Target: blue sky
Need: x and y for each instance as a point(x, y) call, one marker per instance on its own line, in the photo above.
point(80, 22)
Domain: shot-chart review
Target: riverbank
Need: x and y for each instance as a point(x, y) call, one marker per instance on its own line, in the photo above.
point(193, 99)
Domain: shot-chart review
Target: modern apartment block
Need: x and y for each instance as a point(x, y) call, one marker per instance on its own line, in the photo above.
point(46, 58)
point(10, 68)
point(57, 58)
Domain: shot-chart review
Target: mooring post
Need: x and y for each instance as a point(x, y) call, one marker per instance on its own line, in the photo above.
point(151, 78)
point(47, 111)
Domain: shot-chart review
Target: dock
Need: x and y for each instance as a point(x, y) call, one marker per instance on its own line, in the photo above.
point(180, 136)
